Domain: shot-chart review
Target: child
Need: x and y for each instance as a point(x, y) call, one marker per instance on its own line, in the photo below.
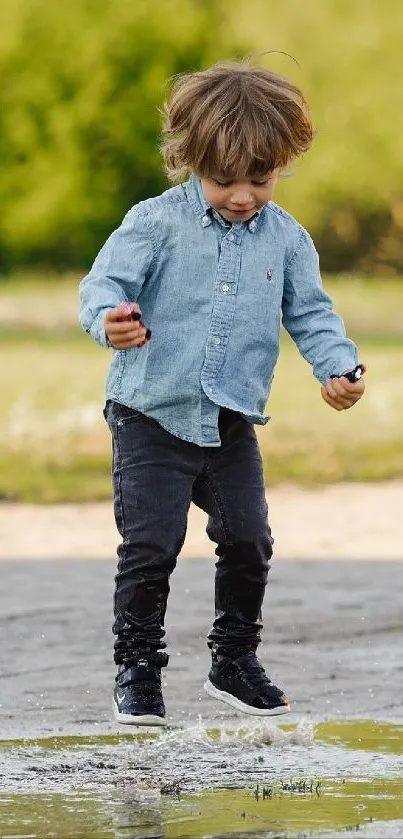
point(211, 266)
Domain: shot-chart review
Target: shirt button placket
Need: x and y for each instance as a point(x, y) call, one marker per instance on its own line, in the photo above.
point(223, 310)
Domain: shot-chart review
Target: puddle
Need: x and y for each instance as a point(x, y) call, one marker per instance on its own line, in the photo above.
point(329, 808)
point(363, 734)
point(261, 780)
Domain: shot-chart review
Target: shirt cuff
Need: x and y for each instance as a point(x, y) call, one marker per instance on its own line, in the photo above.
point(97, 330)
point(344, 364)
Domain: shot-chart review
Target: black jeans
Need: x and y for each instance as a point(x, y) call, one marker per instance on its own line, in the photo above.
point(155, 477)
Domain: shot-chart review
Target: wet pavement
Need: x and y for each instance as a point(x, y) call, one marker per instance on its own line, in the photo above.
point(332, 639)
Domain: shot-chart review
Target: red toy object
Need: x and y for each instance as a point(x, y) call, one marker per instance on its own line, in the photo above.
point(137, 316)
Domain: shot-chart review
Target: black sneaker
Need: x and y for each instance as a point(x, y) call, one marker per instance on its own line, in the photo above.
point(242, 683)
point(137, 698)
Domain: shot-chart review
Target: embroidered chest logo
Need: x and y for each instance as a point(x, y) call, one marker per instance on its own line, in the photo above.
point(269, 274)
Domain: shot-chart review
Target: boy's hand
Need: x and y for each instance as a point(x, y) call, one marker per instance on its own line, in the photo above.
point(122, 331)
point(341, 394)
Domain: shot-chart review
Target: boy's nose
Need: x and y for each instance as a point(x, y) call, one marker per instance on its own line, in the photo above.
point(241, 198)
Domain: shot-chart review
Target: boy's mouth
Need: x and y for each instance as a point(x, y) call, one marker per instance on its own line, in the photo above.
point(246, 212)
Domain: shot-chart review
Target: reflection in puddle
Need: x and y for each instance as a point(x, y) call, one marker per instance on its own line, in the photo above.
point(266, 810)
point(260, 780)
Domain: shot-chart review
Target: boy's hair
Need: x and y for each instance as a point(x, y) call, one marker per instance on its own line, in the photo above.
point(233, 119)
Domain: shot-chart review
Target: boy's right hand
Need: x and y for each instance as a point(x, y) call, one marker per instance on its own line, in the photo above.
point(122, 331)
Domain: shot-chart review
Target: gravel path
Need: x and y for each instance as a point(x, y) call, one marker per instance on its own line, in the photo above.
point(333, 640)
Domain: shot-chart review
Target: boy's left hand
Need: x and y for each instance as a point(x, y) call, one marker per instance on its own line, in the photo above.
point(341, 394)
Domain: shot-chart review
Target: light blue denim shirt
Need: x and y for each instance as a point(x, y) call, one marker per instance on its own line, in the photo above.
point(214, 296)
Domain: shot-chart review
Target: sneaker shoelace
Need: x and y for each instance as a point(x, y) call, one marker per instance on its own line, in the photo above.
point(253, 671)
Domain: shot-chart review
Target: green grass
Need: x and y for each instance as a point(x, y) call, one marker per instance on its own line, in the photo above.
point(54, 442)
point(48, 480)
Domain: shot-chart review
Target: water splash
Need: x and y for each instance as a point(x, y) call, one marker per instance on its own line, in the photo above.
point(263, 733)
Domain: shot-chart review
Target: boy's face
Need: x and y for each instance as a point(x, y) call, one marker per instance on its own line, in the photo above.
point(239, 199)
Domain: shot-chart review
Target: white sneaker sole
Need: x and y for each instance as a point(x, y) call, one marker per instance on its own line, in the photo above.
point(130, 719)
point(241, 706)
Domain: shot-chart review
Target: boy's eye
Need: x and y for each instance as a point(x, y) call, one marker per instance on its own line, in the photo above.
point(223, 184)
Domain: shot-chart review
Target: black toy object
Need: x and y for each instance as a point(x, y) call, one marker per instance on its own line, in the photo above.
point(137, 316)
point(352, 375)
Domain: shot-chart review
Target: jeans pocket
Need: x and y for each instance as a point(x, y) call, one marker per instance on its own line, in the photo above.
point(119, 414)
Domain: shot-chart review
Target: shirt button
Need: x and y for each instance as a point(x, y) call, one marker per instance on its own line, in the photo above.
point(252, 225)
point(231, 237)
point(225, 287)
point(205, 221)
point(216, 340)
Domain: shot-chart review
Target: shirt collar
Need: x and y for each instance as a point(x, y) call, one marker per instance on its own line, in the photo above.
point(205, 212)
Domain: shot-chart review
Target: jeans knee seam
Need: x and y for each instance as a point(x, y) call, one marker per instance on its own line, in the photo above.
point(221, 508)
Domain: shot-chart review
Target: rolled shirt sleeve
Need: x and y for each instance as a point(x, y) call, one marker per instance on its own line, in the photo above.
point(308, 315)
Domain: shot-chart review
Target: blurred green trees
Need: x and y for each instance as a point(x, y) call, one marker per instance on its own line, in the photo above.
point(79, 123)
point(82, 81)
